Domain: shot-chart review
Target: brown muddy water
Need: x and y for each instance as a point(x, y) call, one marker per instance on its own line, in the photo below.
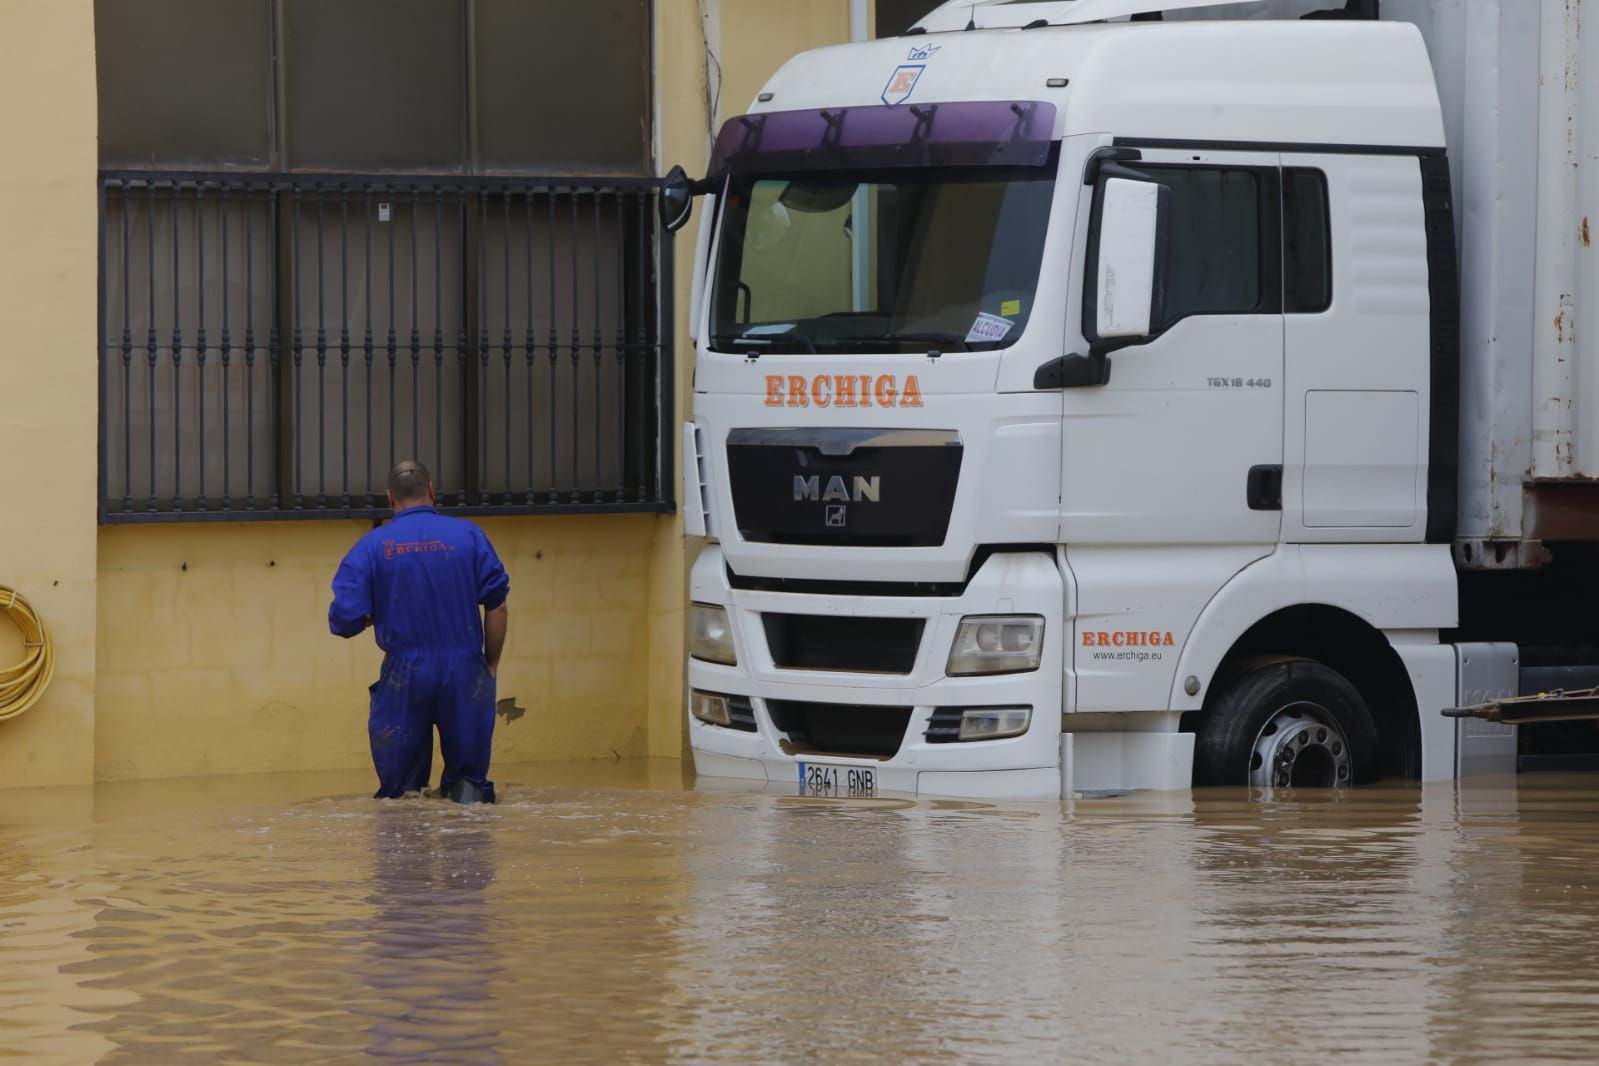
point(621, 914)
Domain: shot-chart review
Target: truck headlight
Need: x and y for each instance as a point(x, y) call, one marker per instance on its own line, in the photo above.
point(709, 707)
point(992, 723)
point(712, 634)
point(997, 644)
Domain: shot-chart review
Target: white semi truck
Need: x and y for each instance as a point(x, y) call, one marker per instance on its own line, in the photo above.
point(1112, 394)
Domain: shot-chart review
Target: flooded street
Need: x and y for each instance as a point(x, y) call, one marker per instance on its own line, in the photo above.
point(617, 913)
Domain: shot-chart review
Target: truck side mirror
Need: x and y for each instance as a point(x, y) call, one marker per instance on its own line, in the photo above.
point(1133, 230)
point(677, 199)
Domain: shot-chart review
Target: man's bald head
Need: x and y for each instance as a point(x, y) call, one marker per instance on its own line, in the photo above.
point(410, 484)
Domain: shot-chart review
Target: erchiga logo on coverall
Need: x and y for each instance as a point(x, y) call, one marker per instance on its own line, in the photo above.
point(392, 548)
point(842, 390)
point(1131, 642)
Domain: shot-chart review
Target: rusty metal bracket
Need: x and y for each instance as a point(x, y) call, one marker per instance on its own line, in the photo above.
point(1557, 706)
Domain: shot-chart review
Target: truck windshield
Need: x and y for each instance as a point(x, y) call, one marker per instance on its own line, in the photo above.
point(890, 260)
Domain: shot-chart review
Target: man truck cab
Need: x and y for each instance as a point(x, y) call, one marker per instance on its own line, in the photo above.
point(1076, 408)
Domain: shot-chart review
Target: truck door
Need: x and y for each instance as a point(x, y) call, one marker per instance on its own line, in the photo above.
point(1172, 467)
point(1184, 443)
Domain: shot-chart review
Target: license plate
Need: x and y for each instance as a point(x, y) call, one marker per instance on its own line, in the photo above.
point(823, 779)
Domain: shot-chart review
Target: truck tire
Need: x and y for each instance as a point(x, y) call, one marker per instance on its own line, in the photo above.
point(1286, 724)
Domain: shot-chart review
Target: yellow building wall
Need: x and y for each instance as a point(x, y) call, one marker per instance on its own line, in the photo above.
point(48, 377)
point(758, 36)
point(215, 655)
point(203, 649)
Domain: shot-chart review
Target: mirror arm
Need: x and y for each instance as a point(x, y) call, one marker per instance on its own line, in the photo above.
point(1105, 159)
point(1074, 371)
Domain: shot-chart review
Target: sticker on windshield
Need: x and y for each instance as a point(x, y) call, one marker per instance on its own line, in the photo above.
point(988, 329)
point(769, 330)
point(1010, 308)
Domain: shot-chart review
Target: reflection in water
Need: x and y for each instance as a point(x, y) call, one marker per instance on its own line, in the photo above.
point(428, 955)
point(589, 918)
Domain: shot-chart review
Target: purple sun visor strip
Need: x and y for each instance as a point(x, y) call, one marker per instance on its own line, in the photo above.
point(965, 133)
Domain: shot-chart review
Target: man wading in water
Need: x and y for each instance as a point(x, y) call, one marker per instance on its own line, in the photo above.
point(421, 579)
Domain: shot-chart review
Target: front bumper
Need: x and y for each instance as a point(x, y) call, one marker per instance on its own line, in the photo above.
point(1027, 766)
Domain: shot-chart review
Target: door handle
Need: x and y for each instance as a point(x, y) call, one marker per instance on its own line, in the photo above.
point(1265, 488)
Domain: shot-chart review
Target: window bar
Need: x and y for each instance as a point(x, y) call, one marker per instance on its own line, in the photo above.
point(199, 336)
point(150, 346)
point(226, 355)
point(659, 381)
point(506, 341)
point(438, 327)
point(177, 362)
point(621, 346)
point(555, 354)
point(416, 335)
point(127, 358)
point(298, 348)
point(528, 417)
point(321, 358)
point(393, 346)
point(483, 349)
point(641, 361)
point(576, 494)
point(344, 345)
point(467, 341)
point(249, 359)
point(273, 232)
point(366, 343)
point(599, 355)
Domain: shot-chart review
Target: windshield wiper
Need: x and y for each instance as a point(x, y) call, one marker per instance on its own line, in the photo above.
point(757, 346)
point(959, 342)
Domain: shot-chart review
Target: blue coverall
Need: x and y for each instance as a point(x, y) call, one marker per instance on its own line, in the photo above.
point(421, 579)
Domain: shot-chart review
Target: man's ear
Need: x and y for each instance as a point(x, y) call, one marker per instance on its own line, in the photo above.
point(392, 505)
point(433, 497)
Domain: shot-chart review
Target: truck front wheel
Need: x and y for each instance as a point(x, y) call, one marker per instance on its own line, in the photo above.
point(1287, 724)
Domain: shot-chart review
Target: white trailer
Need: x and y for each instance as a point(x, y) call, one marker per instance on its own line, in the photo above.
point(1088, 399)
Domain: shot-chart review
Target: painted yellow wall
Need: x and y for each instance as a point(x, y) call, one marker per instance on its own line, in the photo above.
point(680, 74)
point(215, 655)
point(203, 649)
point(758, 36)
point(48, 377)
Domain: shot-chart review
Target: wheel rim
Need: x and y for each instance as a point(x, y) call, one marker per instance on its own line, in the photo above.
point(1300, 747)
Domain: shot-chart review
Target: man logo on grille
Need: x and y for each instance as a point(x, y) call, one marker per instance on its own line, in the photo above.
point(836, 515)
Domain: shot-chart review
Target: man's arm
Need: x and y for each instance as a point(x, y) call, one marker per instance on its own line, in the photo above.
point(495, 622)
point(493, 586)
point(351, 610)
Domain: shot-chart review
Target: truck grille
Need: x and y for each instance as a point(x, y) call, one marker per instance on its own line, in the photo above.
point(841, 728)
point(871, 488)
point(859, 645)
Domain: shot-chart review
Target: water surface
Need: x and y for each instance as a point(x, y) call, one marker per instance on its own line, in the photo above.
point(618, 913)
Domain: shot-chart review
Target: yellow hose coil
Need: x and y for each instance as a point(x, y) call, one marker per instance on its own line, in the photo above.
point(23, 684)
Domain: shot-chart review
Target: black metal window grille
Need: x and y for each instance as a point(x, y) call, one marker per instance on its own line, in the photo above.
point(273, 343)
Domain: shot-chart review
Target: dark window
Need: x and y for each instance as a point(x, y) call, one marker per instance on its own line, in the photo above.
point(431, 86)
point(1307, 242)
point(375, 84)
point(1224, 251)
point(306, 275)
point(1222, 242)
point(184, 82)
point(544, 102)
